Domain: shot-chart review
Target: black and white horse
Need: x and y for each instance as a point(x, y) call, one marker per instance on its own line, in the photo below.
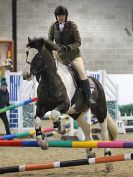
point(58, 93)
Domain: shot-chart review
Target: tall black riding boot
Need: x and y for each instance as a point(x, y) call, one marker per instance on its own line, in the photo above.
point(87, 93)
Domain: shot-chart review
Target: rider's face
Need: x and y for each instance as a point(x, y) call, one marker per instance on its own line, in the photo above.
point(4, 88)
point(61, 18)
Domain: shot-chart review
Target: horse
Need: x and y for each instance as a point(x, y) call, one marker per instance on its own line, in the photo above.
point(58, 92)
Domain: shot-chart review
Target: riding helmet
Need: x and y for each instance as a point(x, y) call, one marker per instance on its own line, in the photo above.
point(3, 82)
point(61, 10)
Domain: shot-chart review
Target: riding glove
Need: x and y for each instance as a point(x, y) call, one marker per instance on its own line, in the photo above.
point(62, 49)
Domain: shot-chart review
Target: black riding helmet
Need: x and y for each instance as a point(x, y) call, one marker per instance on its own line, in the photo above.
point(61, 10)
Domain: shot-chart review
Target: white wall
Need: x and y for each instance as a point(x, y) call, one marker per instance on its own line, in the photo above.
point(125, 83)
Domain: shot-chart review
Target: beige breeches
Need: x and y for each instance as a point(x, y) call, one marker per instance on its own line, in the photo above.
point(79, 66)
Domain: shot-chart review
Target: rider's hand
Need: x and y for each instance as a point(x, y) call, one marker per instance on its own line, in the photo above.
point(62, 49)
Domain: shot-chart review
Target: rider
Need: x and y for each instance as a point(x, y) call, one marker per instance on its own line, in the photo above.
point(66, 35)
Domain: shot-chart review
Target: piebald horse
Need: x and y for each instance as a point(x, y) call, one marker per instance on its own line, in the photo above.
point(58, 93)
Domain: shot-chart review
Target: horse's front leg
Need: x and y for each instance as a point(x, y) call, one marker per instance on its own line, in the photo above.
point(56, 117)
point(105, 137)
point(86, 128)
point(57, 122)
point(37, 122)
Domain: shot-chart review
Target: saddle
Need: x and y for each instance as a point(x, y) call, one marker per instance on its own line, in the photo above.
point(75, 76)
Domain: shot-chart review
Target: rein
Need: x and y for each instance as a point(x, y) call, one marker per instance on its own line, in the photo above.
point(69, 63)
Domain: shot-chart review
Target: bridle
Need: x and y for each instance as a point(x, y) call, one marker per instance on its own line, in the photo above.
point(27, 54)
point(28, 62)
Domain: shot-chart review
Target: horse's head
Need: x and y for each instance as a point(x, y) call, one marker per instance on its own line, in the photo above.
point(38, 54)
point(32, 62)
point(36, 43)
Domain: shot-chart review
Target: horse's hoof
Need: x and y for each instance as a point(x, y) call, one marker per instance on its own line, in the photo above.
point(93, 155)
point(90, 153)
point(62, 132)
point(109, 167)
point(43, 144)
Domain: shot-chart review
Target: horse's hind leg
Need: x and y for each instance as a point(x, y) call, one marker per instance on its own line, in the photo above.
point(86, 128)
point(101, 114)
point(104, 133)
point(105, 137)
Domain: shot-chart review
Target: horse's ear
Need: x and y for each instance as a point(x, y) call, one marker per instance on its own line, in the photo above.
point(29, 40)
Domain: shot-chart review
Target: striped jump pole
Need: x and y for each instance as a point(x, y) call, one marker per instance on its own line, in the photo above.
point(70, 144)
point(61, 164)
point(25, 134)
point(30, 133)
point(25, 102)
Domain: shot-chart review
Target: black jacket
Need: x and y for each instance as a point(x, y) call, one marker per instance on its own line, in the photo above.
point(4, 98)
point(69, 37)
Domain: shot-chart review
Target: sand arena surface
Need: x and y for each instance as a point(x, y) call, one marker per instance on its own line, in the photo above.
point(11, 156)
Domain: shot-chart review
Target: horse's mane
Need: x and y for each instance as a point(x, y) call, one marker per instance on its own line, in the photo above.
point(40, 42)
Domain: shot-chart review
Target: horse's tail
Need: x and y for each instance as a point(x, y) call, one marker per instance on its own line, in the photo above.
point(101, 110)
point(112, 128)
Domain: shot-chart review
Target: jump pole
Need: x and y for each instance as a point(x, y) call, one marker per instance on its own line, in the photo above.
point(61, 164)
point(30, 133)
point(24, 134)
point(70, 144)
point(25, 102)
